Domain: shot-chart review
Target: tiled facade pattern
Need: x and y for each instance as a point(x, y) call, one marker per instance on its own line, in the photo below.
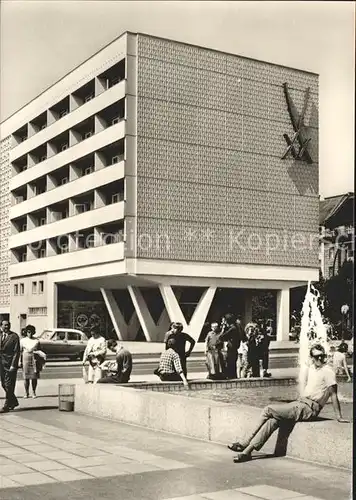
point(5, 173)
point(210, 137)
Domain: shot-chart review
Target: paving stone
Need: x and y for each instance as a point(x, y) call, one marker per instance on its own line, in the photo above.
point(190, 497)
point(46, 465)
point(79, 462)
point(6, 460)
point(57, 455)
point(270, 492)
point(39, 448)
point(9, 451)
point(67, 475)
point(6, 482)
point(102, 471)
point(9, 470)
point(138, 468)
point(90, 452)
point(27, 457)
point(166, 464)
point(22, 441)
point(31, 478)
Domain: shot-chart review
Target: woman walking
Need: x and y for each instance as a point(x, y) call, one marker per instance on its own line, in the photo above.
point(30, 370)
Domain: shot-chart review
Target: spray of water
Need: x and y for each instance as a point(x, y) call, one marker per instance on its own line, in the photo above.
point(313, 331)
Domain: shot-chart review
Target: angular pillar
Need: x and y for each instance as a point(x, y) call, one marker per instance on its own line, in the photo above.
point(283, 314)
point(199, 316)
point(148, 325)
point(115, 314)
point(52, 303)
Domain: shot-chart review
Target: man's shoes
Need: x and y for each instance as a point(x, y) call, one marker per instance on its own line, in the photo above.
point(242, 457)
point(13, 406)
point(236, 447)
point(5, 409)
point(267, 375)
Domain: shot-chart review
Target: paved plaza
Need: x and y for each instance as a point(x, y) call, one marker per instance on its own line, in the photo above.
point(56, 455)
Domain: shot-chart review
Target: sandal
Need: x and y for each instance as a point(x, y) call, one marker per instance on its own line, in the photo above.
point(242, 457)
point(236, 447)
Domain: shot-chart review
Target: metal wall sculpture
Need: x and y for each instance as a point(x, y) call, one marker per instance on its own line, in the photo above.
point(298, 144)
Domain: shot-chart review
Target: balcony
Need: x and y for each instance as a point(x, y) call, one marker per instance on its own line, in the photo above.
point(37, 218)
point(19, 225)
point(19, 254)
point(84, 166)
point(19, 165)
point(37, 187)
point(37, 124)
point(20, 135)
point(58, 111)
point(59, 177)
point(82, 131)
point(112, 154)
point(112, 193)
point(83, 95)
point(110, 116)
point(83, 203)
point(58, 144)
point(37, 155)
point(19, 195)
point(111, 77)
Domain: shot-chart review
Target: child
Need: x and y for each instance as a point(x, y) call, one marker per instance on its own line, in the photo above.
point(242, 361)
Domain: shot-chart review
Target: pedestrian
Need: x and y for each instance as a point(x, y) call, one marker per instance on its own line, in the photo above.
point(242, 360)
point(119, 371)
point(180, 337)
point(170, 368)
point(214, 356)
point(94, 356)
point(9, 361)
point(253, 342)
point(30, 368)
point(230, 335)
point(339, 362)
point(264, 342)
point(320, 386)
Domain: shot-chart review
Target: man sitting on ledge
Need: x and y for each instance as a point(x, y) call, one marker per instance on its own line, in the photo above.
point(119, 371)
point(170, 368)
point(321, 384)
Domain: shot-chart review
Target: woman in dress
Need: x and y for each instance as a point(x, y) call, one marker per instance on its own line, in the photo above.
point(214, 356)
point(28, 360)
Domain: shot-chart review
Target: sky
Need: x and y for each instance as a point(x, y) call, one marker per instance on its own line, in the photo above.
point(40, 41)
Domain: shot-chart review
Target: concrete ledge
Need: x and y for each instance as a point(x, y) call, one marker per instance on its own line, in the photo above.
point(323, 441)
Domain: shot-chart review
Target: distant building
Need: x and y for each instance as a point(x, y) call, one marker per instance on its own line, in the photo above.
point(156, 182)
point(337, 231)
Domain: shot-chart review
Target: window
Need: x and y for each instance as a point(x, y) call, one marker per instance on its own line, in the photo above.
point(42, 253)
point(87, 135)
point(83, 207)
point(115, 159)
point(115, 120)
point(37, 311)
point(23, 257)
point(64, 147)
point(42, 221)
point(43, 126)
point(24, 227)
point(88, 170)
point(22, 288)
point(72, 336)
point(63, 113)
point(64, 180)
point(34, 287)
point(16, 289)
point(19, 199)
point(115, 198)
point(89, 98)
point(43, 158)
point(59, 336)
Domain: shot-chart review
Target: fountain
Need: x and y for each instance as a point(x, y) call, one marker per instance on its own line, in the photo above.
point(313, 331)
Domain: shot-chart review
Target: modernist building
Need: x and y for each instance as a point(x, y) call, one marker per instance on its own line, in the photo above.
point(156, 169)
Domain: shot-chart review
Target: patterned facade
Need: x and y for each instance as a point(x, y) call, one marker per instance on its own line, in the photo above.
point(5, 173)
point(211, 184)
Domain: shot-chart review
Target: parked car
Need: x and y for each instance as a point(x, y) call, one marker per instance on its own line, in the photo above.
point(63, 343)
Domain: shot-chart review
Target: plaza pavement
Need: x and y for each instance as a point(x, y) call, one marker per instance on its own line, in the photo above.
point(56, 455)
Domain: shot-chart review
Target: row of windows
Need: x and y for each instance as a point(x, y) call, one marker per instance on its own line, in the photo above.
point(37, 288)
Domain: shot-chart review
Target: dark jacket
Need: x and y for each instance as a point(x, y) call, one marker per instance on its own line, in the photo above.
point(232, 337)
point(9, 351)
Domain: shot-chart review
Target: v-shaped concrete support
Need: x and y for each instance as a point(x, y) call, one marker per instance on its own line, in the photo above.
point(115, 314)
point(199, 316)
point(149, 327)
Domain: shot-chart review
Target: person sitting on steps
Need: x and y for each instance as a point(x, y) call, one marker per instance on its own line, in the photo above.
point(321, 385)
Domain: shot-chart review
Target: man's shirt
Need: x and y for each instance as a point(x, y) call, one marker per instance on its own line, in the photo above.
point(124, 362)
point(170, 362)
point(318, 383)
point(180, 338)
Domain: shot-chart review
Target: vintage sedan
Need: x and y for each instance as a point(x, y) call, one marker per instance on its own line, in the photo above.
point(63, 343)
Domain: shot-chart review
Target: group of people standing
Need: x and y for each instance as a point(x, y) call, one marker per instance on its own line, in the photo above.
point(15, 353)
point(236, 352)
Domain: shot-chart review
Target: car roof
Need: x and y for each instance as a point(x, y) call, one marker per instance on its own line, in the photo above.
point(64, 330)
